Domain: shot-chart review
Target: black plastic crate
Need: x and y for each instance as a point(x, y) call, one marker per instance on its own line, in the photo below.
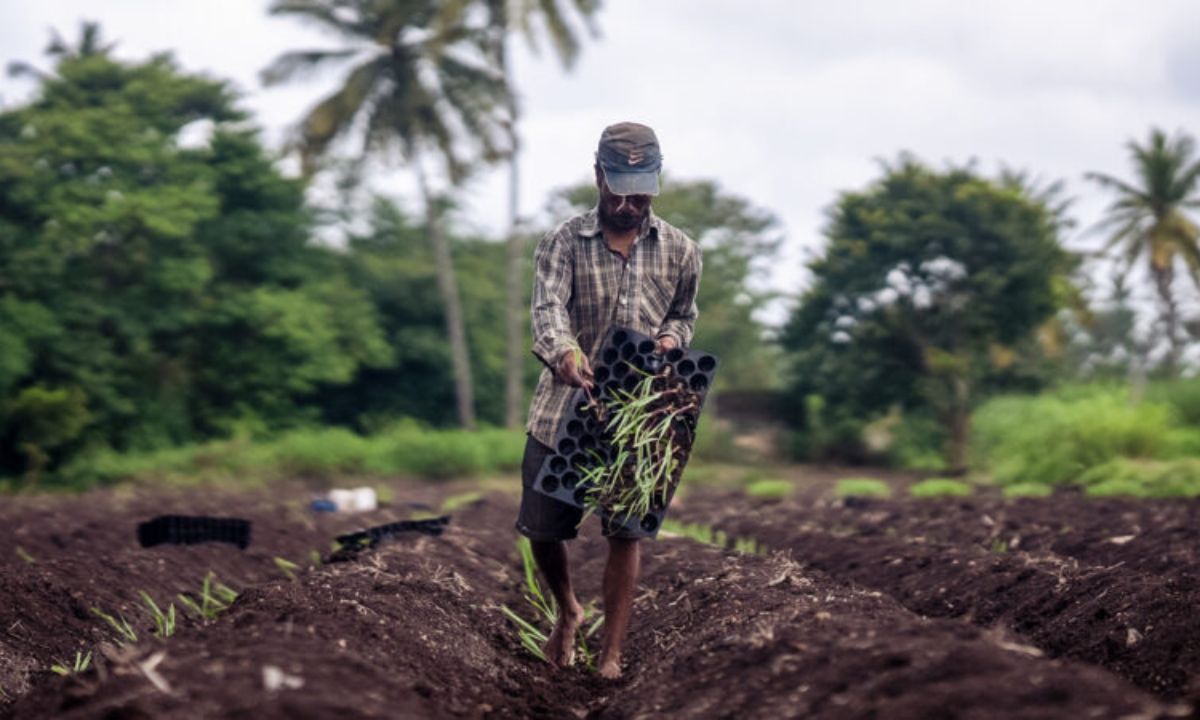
point(193, 529)
point(579, 443)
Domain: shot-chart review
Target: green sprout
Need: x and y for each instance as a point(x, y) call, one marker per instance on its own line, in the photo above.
point(215, 598)
point(26, 557)
point(164, 623)
point(533, 637)
point(122, 627)
point(82, 663)
point(287, 567)
point(707, 535)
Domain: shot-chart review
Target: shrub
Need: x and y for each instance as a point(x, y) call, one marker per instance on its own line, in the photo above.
point(862, 487)
point(1151, 479)
point(940, 487)
point(1053, 440)
point(1020, 490)
point(769, 489)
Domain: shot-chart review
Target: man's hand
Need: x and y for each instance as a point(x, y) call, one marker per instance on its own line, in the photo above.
point(666, 343)
point(573, 372)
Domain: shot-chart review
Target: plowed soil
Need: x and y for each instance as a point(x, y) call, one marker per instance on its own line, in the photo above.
point(1057, 608)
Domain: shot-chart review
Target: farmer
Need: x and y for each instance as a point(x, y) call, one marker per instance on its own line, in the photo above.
point(617, 264)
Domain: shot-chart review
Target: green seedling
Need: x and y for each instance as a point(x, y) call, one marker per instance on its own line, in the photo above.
point(287, 567)
point(862, 488)
point(82, 663)
point(124, 630)
point(707, 535)
point(164, 623)
point(314, 558)
point(26, 557)
point(999, 546)
point(215, 598)
point(531, 636)
point(454, 502)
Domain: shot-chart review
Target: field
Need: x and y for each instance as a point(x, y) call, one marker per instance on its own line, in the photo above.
point(1063, 607)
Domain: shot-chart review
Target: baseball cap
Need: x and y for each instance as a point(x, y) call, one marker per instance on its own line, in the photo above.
point(631, 159)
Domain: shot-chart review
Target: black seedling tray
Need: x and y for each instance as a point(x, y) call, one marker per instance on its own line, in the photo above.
point(190, 530)
point(372, 536)
point(579, 437)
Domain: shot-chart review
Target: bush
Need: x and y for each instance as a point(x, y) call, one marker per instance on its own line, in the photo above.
point(862, 487)
point(1021, 490)
point(404, 449)
point(940, 487)
point(1053, 440)
point(769, 489)
point(1147, 479)
point(919, 443)
point(1182, 395)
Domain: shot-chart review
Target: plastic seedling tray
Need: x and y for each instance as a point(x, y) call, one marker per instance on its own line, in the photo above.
point(190, 530)
point(579, 442)
point(373, 536)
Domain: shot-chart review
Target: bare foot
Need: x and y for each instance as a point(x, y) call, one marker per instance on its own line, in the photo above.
point(560, 648)
point(610, 668)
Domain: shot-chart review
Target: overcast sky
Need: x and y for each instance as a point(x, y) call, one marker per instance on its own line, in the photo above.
point(785, 102)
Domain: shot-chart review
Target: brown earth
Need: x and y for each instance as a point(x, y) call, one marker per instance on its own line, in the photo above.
point(843, 622)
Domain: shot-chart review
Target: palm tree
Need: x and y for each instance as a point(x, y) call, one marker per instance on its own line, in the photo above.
point(420, 90)
point(1149, 218)
point(504, 17)
point(89, 45)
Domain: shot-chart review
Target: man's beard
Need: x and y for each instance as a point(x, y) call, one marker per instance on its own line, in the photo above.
point(623, 221)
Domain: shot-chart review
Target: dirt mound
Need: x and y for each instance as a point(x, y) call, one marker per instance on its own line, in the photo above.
point(413, 628)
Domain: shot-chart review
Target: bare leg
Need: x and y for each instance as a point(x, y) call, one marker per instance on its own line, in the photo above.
point(620, 580)
point(551, 559)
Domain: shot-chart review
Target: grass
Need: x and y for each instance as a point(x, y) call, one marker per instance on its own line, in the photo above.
point(534, 634)
point(164, 622)
point(125, 631)
point(81, 664)
point(708, 535)
point(1055, 439)
point(215, 598)
point(862, 487)
point(406, 449)
point(1033, 490)
point(1144, 479)
point(769, 489)
point(940, 487)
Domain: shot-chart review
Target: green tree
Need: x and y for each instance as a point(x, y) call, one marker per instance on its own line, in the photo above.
point(159, 292)
point(419, 90)
point(505, 17)
point(929, 283)
point(1149, 219)
point(739, 241)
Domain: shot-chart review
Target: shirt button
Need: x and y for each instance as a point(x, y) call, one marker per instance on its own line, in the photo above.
point(624, 300)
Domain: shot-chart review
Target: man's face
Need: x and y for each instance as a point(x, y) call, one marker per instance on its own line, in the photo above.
point(621, 212)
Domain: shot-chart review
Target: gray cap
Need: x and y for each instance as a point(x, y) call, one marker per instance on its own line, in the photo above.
point(631, 159)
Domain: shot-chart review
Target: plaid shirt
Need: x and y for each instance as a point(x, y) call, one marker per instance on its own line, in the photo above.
point(581, 288)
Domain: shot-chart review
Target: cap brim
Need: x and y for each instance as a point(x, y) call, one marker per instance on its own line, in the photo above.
point(641, 183)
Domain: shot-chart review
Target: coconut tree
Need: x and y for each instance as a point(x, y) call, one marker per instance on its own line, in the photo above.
point(89, 45)
point(524, 17)
point(421, 92)
point(1149, 219)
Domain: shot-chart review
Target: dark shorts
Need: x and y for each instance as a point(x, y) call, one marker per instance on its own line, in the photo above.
point(542, 518)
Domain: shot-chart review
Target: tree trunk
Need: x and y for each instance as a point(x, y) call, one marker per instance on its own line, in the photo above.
point(1170, 313)
point(448, 286)
point(515, 312)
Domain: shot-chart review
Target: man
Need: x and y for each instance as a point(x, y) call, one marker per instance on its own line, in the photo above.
point(617, 264)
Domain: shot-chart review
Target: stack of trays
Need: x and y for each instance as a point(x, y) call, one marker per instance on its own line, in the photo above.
point(579, 443)
point(190, 530)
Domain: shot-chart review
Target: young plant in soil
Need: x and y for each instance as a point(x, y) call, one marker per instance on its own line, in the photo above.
point(531, 634)
point(215, 598)
point(164, 622)
point(650, 431)
point(124, 630)
point(82, 663)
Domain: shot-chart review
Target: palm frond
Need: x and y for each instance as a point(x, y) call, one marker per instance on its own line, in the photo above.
point(300, 64)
